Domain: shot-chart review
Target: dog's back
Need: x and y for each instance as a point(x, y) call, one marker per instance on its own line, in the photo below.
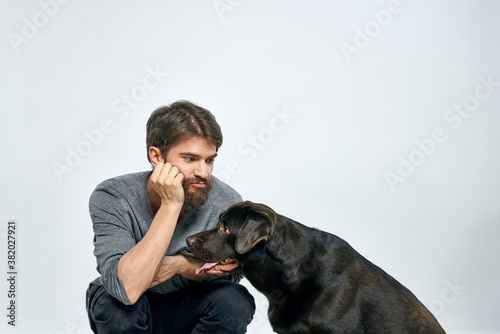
point(328, 287)
point(315, 281)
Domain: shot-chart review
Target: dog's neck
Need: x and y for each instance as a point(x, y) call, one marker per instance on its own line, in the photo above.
point(281, 277)
point(287, 236)
point(274, 258)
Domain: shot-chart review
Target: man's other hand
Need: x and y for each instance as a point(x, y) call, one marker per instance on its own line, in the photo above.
point(166, 181)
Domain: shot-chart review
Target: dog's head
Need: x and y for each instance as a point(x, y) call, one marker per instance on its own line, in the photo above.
point(240, 229)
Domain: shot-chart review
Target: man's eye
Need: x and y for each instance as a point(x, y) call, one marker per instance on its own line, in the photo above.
point(210, 161)
point(188, 159)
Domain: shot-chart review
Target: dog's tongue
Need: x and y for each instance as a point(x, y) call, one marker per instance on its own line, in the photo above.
point(205, 266)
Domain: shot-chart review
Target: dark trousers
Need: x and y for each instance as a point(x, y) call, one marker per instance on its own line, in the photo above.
point(217, 306)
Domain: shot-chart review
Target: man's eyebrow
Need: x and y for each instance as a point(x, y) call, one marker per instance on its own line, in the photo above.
point(194, 155)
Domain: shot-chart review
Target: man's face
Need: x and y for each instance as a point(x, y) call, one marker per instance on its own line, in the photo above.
point(194, 156)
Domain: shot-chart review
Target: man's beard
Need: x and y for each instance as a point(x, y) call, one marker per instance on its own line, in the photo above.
point(194, 199)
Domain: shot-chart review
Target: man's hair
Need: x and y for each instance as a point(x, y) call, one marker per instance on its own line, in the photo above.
point(168, 125)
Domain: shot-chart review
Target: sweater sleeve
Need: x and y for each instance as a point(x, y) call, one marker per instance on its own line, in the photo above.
point(113, 237)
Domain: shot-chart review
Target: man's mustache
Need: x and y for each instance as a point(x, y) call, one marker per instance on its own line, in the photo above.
point(196, 179)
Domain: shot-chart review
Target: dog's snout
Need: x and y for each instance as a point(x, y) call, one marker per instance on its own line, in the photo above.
point(192, 241)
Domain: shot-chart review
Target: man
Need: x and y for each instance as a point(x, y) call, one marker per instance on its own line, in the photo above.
point(148, 280)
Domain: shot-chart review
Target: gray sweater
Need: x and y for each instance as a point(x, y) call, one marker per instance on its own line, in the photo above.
point(121, 217)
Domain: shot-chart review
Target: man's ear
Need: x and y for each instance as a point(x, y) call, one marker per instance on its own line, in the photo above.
point(155, 155)
point(257, 227)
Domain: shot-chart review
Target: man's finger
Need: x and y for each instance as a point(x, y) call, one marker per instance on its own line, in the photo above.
point(165, 172)
point(157, 171)
point(174, 171)
point(179, 177)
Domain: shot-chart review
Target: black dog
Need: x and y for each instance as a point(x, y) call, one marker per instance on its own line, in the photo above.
point(315, 281)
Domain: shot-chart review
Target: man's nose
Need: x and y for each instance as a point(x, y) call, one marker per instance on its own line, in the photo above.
point(201, 170)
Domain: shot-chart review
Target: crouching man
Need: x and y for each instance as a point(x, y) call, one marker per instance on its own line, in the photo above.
point(148, 281)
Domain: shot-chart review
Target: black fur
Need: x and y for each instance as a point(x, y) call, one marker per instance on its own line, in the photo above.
point(315, 281)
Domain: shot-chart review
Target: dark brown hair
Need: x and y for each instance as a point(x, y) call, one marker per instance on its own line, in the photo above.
point(167, 125)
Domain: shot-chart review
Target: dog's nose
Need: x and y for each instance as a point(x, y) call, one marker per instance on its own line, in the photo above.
point(191, 241)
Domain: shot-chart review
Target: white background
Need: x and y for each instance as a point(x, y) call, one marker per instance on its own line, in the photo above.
point(363, 87)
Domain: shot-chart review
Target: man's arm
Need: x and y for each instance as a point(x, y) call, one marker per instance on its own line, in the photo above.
point(139, 266)
point(178, 264)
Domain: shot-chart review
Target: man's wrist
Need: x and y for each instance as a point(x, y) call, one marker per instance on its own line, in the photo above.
point(170, 209)
point(171, 205)
point(188, 269)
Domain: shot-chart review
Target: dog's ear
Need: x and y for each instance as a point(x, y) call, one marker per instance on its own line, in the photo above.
point(258, 226)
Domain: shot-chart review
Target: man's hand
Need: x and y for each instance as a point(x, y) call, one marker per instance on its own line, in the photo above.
point(139, 267)
point(177, 264)
point(166, 181)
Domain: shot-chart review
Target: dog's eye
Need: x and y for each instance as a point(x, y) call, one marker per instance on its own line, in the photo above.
point(224, 229)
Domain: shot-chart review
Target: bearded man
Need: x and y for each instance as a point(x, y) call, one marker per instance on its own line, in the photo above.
point(148, 281)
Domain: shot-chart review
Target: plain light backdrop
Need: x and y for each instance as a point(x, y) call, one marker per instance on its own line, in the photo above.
point(377, 121)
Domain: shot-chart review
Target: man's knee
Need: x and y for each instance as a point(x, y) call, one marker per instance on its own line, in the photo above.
point(108, 315)
point(237, 297)
point(232, 298)
point(241, 305)
point(230, 308)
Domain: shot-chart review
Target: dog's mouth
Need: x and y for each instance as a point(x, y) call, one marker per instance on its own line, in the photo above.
point(218, 268)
